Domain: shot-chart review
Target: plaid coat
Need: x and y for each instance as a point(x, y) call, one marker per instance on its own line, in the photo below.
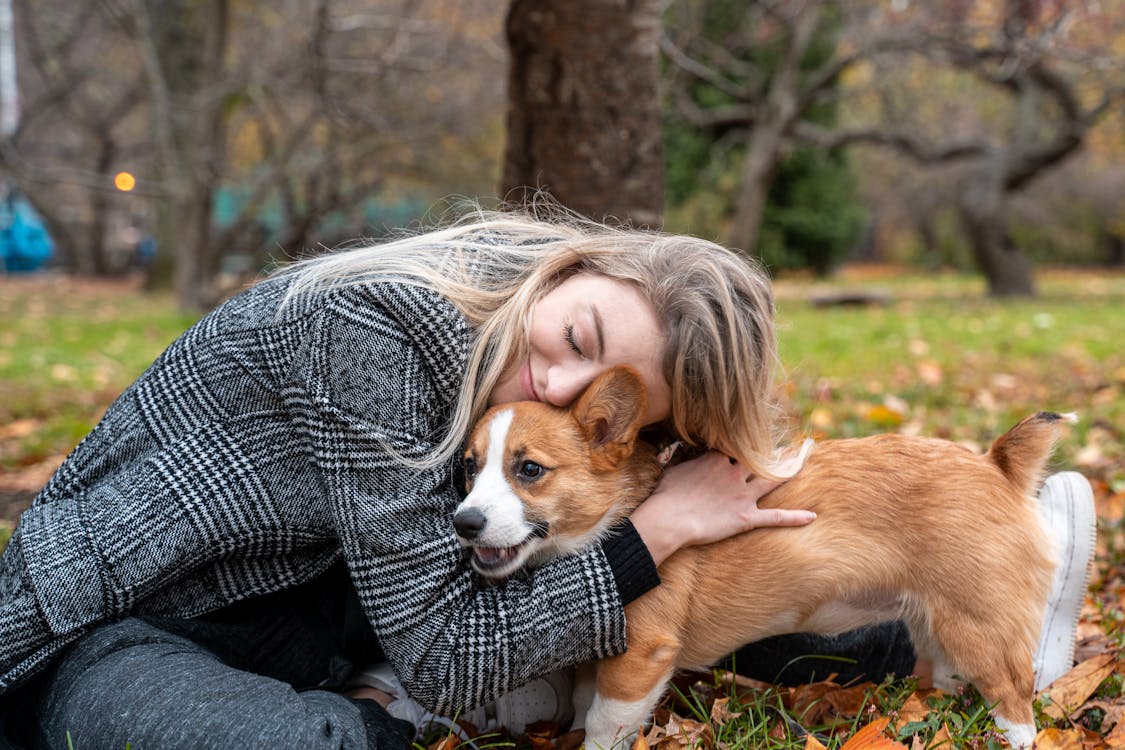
point(257, 451)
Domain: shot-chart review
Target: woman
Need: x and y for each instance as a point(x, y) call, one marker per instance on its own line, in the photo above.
point(268, 506)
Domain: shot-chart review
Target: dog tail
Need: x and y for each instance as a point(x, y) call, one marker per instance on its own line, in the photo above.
point(1022, 452)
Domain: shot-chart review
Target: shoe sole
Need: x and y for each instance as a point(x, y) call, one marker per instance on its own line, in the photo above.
point(1074, 510)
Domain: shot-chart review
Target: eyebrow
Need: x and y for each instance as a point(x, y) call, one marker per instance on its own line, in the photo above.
point(597, 316)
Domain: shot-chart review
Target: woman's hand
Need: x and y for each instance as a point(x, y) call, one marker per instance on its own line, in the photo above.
point(704, 500)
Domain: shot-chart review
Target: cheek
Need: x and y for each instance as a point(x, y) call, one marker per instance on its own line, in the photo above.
point(508, 389)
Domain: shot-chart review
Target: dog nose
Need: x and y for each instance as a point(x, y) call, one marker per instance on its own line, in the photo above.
point(469, 523)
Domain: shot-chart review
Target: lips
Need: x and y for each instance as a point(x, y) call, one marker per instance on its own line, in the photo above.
point(528, 384)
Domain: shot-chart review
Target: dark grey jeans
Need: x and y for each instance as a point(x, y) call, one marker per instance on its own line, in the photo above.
point(261, 674)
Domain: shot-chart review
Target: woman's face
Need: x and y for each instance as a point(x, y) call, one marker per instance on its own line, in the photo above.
point(583, 327)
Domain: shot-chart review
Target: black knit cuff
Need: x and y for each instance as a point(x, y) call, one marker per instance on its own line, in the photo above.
point(632, 565)
point(384, 732)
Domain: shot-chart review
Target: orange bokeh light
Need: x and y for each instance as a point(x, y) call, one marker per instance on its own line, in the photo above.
point(124, 181)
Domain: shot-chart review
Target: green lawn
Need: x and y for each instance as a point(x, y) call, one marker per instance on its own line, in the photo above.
point(940, 358)
point(67, 348)
point(937, 358)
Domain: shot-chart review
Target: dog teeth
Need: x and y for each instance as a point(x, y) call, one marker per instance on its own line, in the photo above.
point(492, 556)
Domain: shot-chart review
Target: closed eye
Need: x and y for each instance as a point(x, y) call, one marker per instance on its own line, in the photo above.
point(568, 334)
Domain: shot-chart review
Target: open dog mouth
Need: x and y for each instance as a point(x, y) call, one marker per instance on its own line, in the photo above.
point(502, 561)
point(495, 558)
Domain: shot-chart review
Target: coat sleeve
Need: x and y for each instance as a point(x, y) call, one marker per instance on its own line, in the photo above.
point(379, 374)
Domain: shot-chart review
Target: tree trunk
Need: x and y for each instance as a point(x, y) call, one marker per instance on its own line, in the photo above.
point(766, 139)
point(185, 54)
point(762, 154)
point(584, 120)
point(981, 205)
point(98, 262)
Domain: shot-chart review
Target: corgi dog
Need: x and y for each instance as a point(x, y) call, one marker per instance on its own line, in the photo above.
point(909, 528)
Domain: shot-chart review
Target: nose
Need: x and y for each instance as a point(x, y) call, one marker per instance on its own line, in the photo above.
point(469, 523)
point(565, 383)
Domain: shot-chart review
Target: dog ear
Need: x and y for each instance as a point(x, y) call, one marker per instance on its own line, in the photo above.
point(609, 413)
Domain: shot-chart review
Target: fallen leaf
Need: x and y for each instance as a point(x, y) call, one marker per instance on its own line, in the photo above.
point(448, 742)
point(849, 701)
point(930, 373)
point(571, 740)
point(1059, 739)
point(640, 743)
point(721, 714)
point(1114, 712)
point(1070, 691)
point(883, 415)
point(942, 739)
point(807, 704)
point(812, 743)
point(871, 737)
point(1116, 737)
point(913, 709)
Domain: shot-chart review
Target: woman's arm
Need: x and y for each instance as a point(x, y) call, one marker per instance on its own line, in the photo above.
point(373, 384)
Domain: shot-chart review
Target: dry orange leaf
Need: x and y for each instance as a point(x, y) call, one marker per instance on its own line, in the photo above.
point(1071, 690)
point(448, 742)
point(640, 743)
point(812, 743)
point(942, 738)
point(930, 373)
point(884, 416)
point(871, 737)
point(571, 740)
point(913, 709)
point(1059, 739)
point(849, 701)
point(807, 704)
point(1116, 738)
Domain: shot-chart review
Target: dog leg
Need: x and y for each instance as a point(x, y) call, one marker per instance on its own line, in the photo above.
point(629, 687)
point(612, 720)
point(994, 657)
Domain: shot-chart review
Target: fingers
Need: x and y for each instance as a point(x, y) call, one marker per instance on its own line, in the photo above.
point(779, 517)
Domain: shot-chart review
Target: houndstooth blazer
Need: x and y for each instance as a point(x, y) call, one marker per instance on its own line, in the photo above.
point(251, 456)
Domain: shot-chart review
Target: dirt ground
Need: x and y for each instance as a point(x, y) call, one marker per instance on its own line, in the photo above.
point(18, 489)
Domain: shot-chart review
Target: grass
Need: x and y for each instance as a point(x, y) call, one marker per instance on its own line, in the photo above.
point(67, 348)
point(943, 360)
point(939, 358)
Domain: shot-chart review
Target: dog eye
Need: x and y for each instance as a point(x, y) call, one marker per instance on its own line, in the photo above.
point(530, 470)
point(470, 467)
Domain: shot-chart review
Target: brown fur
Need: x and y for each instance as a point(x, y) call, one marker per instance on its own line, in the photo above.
point(912, 528)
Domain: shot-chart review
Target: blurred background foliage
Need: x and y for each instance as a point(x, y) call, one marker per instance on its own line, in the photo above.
point(808, 132)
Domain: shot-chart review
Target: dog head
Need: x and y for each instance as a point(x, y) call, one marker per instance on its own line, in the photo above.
point(545, 481)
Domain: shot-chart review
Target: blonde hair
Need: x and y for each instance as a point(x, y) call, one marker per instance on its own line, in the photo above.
point(716, 309)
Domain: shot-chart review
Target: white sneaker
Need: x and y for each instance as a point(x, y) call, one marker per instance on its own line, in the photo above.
point(543, 699)
point(381, 677)
point(1066, 505)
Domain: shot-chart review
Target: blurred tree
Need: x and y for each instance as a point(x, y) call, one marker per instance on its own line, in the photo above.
point(742, 75)
point(70, 130)
point(290, 117)
point(1054, 90)
point(584, 107)
point(748, 73)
